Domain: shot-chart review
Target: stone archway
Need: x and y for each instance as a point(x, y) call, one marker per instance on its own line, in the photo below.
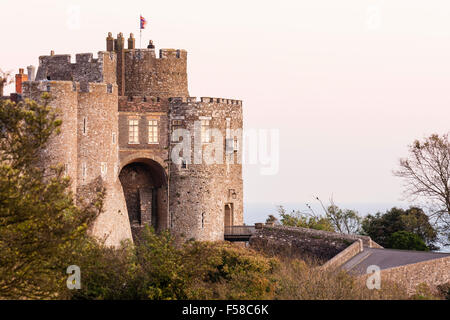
point(144, 184)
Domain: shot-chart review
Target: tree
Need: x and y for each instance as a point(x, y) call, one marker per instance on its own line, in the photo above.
point(272, 219)
point(39, 222)
point(407, 241)
point(5, 79)
point(343, 221)
point(426, 174)
point(381, 227)
point(304, 220)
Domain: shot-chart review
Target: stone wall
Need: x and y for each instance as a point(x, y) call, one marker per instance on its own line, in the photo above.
point(86, 147)
point(98, 156)
point(62, 149)
point(302, 242)
point(199, 192)
point(165, 76)
point(345, 255)
point(432, 273)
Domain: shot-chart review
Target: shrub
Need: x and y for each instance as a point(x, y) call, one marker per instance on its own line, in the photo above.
point(407, 241)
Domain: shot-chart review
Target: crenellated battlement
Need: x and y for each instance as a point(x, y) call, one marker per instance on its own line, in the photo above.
point(172, 54)
point(202, 100)
point(85, 68)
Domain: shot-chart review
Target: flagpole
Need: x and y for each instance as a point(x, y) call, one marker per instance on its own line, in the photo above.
point(140, 32)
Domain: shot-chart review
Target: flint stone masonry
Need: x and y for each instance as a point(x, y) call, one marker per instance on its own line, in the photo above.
point(96, 98)
point(86, 68)
point(432, 273)
point(303, 243)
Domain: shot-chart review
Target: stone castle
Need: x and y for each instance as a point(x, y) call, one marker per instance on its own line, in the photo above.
point(119, 113)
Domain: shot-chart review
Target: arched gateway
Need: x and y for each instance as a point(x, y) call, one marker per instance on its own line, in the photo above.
point(144, 184)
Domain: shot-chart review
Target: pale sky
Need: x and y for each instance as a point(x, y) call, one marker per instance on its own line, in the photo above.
point(349, 83)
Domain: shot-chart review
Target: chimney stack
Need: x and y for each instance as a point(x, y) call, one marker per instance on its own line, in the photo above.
point(31, 70)
point(131, 41)
point(20, 77)
point(109, 42)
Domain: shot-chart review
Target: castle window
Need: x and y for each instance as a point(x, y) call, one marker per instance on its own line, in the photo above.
point(133, 131)
point(103, 168)
point(152, 131)
point(228, 140)
point(84, 125)
point(109, 88)
point(235, 144)
point(66, 169)
point(113, 138)
point(183, 164)
point(229, 145)
point(203, 220)
point(176, 124)
point(84, 170)
point(205, 132)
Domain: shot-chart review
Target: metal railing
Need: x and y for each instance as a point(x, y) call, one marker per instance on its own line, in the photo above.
point(239, 230)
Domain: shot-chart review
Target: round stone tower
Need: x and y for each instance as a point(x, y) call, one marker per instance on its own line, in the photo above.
point(206, 194)
point(62, 148)
point(98, 157)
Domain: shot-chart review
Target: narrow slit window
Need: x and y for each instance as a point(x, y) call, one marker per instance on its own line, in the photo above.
point(84, 125)
point(84, 170)
point(103, 168)
point(183, 164)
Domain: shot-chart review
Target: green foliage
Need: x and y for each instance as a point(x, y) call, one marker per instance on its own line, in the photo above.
point(333, 219)
point(381, 227)
point(407, 241)
point(299, 219)
point(161, 271)
point(39, 223)
point(160, 268)
point(157, 268)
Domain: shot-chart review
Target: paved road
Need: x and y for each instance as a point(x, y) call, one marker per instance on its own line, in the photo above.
point(388, 258)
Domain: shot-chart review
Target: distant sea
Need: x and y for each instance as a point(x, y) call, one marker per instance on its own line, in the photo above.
point(258, 212)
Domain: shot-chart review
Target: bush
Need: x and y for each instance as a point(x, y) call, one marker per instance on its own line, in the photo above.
point(407, 241)
point(158, 268)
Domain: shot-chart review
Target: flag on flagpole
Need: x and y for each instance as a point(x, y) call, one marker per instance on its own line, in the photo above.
point(143, 22)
